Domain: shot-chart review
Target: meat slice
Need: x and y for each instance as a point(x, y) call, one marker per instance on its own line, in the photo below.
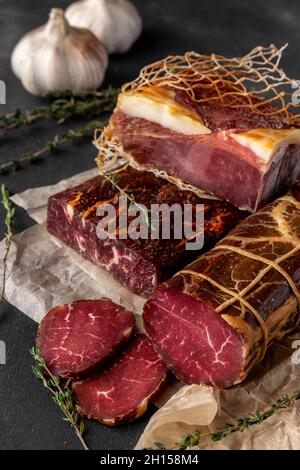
point(213, 321)
point(138, 264)
point(76, 338)
point(122, 392)
point(192, 339)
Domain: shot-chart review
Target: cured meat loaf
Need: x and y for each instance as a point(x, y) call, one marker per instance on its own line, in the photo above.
point(76, 338)
point(213, 321)
point(191, 118)
point(123, 391)
point(137, 264)
point(247, 168)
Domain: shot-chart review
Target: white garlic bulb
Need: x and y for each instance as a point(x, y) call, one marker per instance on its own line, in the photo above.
point(116, 23)
point(57, 56)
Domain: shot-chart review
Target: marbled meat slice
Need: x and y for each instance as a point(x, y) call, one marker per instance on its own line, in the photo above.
point(76, 338)
point(192, 339)
point(122, 392)
point(138, 264)
point(213, 321)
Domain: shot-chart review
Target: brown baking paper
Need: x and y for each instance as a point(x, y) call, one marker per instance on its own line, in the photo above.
point(42, 273)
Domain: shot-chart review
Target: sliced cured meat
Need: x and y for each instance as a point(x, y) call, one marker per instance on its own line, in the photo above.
point(78, 337)
point(248, 168)
point(123, 391)
point(138, 264)
point(193, 340)
point(213, 321)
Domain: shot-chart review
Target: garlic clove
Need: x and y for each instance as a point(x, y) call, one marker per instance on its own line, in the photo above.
point(57, 56)
point(116, 23)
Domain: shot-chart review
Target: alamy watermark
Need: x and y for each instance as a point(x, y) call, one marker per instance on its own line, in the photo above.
point(296, 94)
point(2, 92)
point(159, 222)
point(296, 354)
point(2, 353)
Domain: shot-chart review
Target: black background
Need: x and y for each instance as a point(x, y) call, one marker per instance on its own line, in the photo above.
point(28, 418)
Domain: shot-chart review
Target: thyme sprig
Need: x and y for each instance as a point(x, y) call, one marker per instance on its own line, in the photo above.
point(63, 106)
point(69, 136)
point(240, 424)
point(8, 221)
point(61, 394)
point(126, 193)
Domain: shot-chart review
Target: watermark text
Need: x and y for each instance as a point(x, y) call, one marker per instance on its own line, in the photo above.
point(159, 222)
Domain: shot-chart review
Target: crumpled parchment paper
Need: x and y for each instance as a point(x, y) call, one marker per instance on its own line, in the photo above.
point(205, 409)
point(42, 273)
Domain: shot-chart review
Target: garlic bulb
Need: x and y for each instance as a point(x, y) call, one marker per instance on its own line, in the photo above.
point(57, 56)
point(116, 23)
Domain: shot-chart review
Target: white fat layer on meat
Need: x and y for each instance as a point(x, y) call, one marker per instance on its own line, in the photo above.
point(163, 113)
point(266, 143)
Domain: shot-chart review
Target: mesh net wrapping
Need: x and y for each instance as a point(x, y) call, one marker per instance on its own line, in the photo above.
point(254, 81)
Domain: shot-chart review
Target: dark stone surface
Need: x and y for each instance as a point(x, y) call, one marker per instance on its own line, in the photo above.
point(28, 418)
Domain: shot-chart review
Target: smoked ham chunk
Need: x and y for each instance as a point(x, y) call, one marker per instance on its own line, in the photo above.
point(138, 264)
point(237, 154)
